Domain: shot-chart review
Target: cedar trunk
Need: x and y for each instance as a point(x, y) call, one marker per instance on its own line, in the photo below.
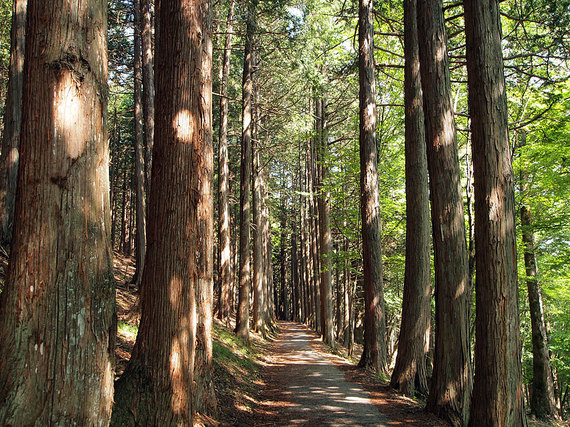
point(224, 237)
point(259, 289)
point(374, 354)
point(140, 207)
point(169, 371)
point(146, 31)
point(242, 320)
point(325, 240)
point(12, 121)
point(450, 385)
point(542, 402)
point(410, 372)
point(497, 389)
point(57, 308)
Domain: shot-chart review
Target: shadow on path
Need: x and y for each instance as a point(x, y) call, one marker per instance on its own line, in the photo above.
point(305, 388)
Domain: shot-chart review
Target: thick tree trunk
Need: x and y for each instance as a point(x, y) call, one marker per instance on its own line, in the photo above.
point(410, 371)
point(140, 232)
point(12, 121)
point(497, 389)
point(242, 321)
point(57, 308)
point(148, 87)
point(374, 354)
point(450, 386)
point(296, 303)
point(224, 238)
point(170, 368)
point(325, 246)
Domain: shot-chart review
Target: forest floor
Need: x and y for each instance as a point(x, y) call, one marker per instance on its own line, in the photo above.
point(291, 378)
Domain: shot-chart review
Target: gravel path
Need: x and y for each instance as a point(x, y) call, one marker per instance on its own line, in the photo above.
point(304, 387)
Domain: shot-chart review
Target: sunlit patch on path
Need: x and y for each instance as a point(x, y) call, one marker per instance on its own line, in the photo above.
point(305, 388)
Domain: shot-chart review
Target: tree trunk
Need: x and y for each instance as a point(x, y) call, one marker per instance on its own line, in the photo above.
point(224, 237)
point(267, 256)
point(325, 246)
point(374, 354)
point(148, 87)
point(410, 371)
point(170, 368)
point(242, 321)
point(313, 213)
point(258, 249)
point(542, 403)
point(140, 232)
point(124, 212)
point(450, 385)
point(296, 303)
point(57, 308)
point(497, 389)
point(284, 300)
point(12, 121)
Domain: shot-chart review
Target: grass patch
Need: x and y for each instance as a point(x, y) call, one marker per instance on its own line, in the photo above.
point(237, 375)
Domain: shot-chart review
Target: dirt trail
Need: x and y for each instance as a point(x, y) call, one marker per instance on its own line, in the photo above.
point(304, 387)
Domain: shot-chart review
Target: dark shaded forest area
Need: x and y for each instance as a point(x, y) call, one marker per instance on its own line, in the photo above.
point(394, 175)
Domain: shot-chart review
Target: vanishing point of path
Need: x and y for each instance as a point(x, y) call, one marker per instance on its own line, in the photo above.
point(304, 387)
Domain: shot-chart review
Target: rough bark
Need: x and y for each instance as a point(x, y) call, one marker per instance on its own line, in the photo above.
point(140, 209)
point(497, 389)
point(57, 308)
point(374, 354)
point(450, 386)
point(225, 273)
point(410, 371)
point(242, 321)
point(148, 87)
point(12, 121)
point(542, 402)
point(259, 318)
point(169, 369)
point(313, 219)
point(325, 240)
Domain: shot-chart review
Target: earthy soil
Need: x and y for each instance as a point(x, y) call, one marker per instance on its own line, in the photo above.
point(306, 385)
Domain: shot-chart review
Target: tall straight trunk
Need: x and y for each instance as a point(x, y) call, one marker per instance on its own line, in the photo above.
point(140, 232)
point(497, 389)
point(313, 213)
point(284, 298)
point(296, 300)
point(347, 298)
point(169, 374)
point(12, 121)
point(258, 250)
point(205, 401)
point(325, 246)
point(267, 255)
point(410, 371)
point(450, 386)
point(124, 213)
point(57, 307)
point(148, 86)
point(225, 273)
point(303, 279)
point(242, 321)
point(374, 354)
point(542, 402)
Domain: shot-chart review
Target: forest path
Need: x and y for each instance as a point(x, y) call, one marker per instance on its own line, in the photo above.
point(304, 387)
